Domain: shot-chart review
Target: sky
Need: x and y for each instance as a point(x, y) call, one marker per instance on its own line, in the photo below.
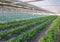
point(51, 5)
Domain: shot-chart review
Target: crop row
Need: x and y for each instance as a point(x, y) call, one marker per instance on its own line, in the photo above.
point(51, 35)
point(18, 23)
point(20, 29)
point(29, 35)
point(13, 26)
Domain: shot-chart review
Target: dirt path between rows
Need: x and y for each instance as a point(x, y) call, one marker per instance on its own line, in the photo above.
point(42, 33)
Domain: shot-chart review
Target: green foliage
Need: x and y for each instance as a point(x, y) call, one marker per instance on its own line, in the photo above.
point(22, 22)
point(29, 35)
point(51, 35)
point(21, 28)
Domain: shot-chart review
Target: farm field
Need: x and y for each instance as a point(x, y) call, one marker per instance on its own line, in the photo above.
point(38, 29)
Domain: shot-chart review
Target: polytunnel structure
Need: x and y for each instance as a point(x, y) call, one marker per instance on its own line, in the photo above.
point(29, 21)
